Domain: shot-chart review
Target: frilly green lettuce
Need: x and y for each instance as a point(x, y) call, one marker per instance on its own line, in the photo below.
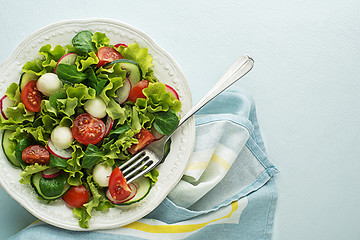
point(158, 99)
point(13, 92)
point(97, 201)
point(115, 111)
point(81, 92)
point(34, 67)
point(84, 62)
point(29, 171)
point(17, 114)
point(74, 165)
point(115, 76)
point(100, 40)
point(51, 56)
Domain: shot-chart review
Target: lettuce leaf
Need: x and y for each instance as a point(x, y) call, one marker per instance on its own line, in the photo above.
point(153, 175)
point(51, 56)
point(68, 106)
point(97, 201)
point(158, 99)
point(115, 111)
point(74, 165)
point(81, 92)
point(29, 171)
point(116, 77)
point(13, 92)
point(34, 67)
point(100, 40)
point(84, 62)
point(18, 114)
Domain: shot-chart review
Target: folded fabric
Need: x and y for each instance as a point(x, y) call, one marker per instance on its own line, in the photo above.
point(227, 191)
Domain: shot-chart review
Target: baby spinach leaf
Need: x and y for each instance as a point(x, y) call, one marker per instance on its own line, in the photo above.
point(57, 162)
point(120, 130)
point(94, 82)
point(69, 74)
point(92, 156)
point(52, 187)
point(83, 41)
point(165, 122)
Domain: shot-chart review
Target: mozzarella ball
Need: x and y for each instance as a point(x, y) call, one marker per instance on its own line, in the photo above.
point(101, 174)
point(62, 137)
point(48, 84)
point(95, 107)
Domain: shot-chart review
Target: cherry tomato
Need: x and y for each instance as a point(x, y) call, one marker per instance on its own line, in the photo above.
point(106, 55)
point(36, 154)
point(87, 129)
point(77, 196)
point(31, 97)
point(136, 91)
point(118, 187)
point(144, 137)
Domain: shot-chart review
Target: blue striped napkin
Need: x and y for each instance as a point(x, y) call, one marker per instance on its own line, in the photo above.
point(227, 191)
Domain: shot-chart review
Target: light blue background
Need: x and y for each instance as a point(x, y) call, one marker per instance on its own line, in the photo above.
point(305, 82)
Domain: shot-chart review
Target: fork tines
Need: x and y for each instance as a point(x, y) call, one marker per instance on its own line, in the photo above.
point(136, 166)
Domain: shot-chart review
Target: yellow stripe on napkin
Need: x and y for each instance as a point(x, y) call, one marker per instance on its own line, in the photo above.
point(177, 228)
point(222, 162)
point(202, 165)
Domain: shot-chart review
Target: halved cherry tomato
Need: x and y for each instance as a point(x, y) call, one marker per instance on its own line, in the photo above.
point(118, 187)
point(77, 196)
point(31, 97)
point(106, 55)
point(87, 129)
point(136, 91)
point(144, 137)
point(36, 154)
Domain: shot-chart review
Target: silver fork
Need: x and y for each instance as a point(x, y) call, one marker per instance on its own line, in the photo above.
point(153, 154)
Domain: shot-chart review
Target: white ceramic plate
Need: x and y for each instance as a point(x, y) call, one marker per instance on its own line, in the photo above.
point(171, 171)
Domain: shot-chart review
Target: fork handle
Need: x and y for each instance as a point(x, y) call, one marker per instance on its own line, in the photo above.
point(241, 67)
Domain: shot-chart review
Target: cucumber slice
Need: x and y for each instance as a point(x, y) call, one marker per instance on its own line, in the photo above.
point(142, 185)
point(133, 70)
point(51, 188)
point(9, 148)
point(123, 92)
point(25, 78)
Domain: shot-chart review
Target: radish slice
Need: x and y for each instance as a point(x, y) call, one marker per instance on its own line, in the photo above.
point(108, 125)
point(5, 102)
point(131, 196)
point(51, 172)
point(155, 133)
point(68, 59)
point(172, 91)
point(120, 44)
point(123, 92)
point(58, 152)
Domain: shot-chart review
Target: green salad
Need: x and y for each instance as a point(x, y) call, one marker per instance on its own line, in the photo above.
point(79, 111)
